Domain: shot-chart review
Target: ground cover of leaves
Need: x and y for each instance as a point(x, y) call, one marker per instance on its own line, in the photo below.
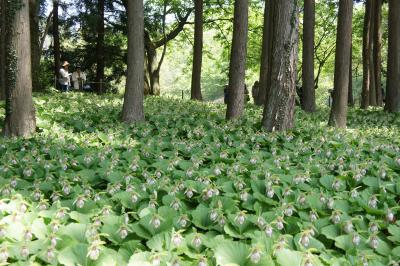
point(188, 188)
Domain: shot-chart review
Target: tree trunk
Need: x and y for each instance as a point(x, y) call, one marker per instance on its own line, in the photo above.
point(152, 72)
point(100, 47)
point(197, 51)
point(133, 110)
point(35, 44)
point(338, 116)
point(393, 72)
point(20, 113)
point(377, 51)
point(237, 67)
point(365, 101)
point(372, 84)
point(265, 53)
point(3, 49)
point(46, 31)
point(308, 92)
point(56, 39)
point(350, 99)
point(280, 102)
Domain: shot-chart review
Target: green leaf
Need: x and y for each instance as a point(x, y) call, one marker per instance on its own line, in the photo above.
point(140, 259)
point(394, 230)
point(330, 231)
point(286, 257)
point(232, 253)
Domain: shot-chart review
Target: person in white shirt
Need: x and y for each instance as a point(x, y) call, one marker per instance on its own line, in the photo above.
point(64, 79)
point(78, 78)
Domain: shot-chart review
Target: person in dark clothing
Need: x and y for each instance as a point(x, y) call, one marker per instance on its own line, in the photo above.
point(255, 90)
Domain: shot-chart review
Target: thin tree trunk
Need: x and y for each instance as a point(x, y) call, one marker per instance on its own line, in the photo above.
point(35, 45)
point(350, 99)
point(20, 113)
point(308, 92)
point(100, 47)
point(3, 49)
point(338, 116)
point(46, 31)
point(133, 110)
point(378, 51)
point(197, 51)
point(280, 102)
point(393, 72)
point(265, 54)
point(237, 68)
point(365, 101)
point(56, 39)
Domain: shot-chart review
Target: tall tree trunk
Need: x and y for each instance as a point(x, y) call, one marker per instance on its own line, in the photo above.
point(377, 51)
point(350, 99)
point(265, 53)
point(35, 45)
point(237, 67)
point(197, 51)
point(100, 47)
point(20, 113)
point(393, 72)
point(133, 110)
point(365, 101)
point(56, 39)
point(3, 49)
point(280, 102)
point(372, 81)
point(308, 92)
point(338, 116)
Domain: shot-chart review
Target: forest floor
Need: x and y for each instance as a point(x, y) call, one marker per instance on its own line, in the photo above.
point(188, 188)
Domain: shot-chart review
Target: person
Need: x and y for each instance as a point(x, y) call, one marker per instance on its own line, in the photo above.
point(78, 79)
point(255, 89)
point(64, 79)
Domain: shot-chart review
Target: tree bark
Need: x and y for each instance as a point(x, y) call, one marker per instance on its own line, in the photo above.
point(56, 39)
point(152, 71)
point(133, 110)
point(3, 49)
point(350, 99)
point(265, 53)
point(100, 47)
point(378, 51)
point(338, 116)
point(20, 113)
point(372, 81)
point(280, 102)
point(35, 45)
point(237, 67)
point(365, 101)
point(197, 51)
point(308, 92)
point(393, 72)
